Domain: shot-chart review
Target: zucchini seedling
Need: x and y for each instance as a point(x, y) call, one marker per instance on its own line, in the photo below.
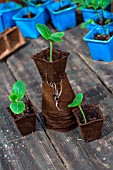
point(52, 37)
point(77, 103)
point(18, 92)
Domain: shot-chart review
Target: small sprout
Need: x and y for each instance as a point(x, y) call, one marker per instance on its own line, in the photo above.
point(46, 33)
point(27, 2)
point(18, 92)
point(77, 102)
point(90, 21)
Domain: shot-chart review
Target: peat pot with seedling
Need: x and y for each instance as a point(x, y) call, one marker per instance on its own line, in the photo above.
point(56, 89)
point(23, 114)
point(89, 118)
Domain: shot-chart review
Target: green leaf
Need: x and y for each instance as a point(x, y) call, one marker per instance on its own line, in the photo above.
point(19, 88)
point(17, 107)
point(77, 100)
point(57, 36)
point(13, 97)
point(107, 21)
point(44, 31)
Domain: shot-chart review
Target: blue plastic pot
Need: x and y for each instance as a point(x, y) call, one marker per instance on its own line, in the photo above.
point(27, 26)
point(46, 12)
point(62, 19)
point(88, 13)
point(96, 17)
point(8, 12)
point(100, 50)
point(1, 24)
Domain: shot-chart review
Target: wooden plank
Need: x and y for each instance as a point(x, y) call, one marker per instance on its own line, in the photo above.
point(103, 70)
point(82, 79)
point(31, 152)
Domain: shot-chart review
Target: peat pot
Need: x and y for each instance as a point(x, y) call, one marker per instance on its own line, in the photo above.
point(93, 128)
point(57, 92)
point(26, 121)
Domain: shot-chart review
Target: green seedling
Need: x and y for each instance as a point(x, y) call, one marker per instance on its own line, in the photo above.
point(77, 103)
point(18, 92)
point(93, 4)
point(91, 21)
point(27, 2)
point(52, 37)
point(7, 4)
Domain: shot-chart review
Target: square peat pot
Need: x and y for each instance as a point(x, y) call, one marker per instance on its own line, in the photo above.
point(64, 18)
point(95, 18)
point(10, 40)
point(8, 10)
point(26, 124)
point(92, 129)
point(27, 26)
point(88, 13)
point(43, 5)
point(100, 50)
point(1, 23)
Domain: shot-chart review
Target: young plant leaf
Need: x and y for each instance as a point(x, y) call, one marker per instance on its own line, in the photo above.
point(19, 88)
point(17, 107)
point(77, 100)
point(44, 31)
point(56, 37)
point(13, 97)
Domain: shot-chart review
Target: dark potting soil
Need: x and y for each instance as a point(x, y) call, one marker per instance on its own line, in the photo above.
point(93, 8)
point(28, 111)
point(62, 8)
point(102, 22)
point(31, 15)
point(56, 54)
point(39, 2)
point(103, 37)
point(91, 114)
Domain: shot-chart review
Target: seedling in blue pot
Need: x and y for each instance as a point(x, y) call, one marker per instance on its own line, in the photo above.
point(77, 103)
point(91, 21)
point(48, 35)
point(91, 7)
point(18, 91)
point(27, 2)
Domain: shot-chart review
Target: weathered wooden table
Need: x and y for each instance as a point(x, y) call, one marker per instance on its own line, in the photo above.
point(47, 149)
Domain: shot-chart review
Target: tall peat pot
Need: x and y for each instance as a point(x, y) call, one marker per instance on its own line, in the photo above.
point(57, 92)
point(93, 128)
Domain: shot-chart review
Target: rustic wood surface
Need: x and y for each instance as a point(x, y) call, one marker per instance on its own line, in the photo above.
point(47, 149)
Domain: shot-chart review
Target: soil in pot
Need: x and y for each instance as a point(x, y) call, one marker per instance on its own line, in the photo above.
point(38, 2)
point(31, 15)
point(93, 128)
point(62, 8)
point(103, 21)
point(103, 37)
point(26, 121)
